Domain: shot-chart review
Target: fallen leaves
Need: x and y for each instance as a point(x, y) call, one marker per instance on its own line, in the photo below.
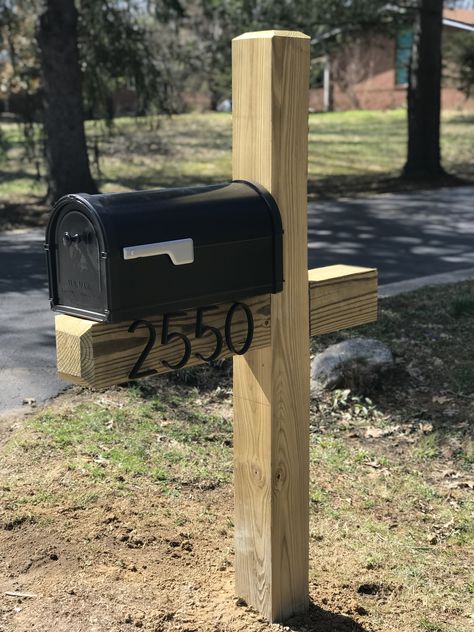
point(426, 428)
point(372, 432)
point(461, 485)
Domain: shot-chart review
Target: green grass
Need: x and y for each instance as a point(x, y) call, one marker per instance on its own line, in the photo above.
point(348, 152)
point(429, 626)
point(432, 327)
point(109, 443)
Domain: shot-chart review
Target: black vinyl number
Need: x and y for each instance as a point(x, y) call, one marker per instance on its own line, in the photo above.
point(166, 338)
point(135, 372)
point(201, 329)
point(228, 328)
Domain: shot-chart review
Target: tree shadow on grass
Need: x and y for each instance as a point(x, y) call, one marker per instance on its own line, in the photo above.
point(335, 186)
point(23, 215)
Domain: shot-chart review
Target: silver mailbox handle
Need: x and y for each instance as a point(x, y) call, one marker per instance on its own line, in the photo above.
point(180, 251)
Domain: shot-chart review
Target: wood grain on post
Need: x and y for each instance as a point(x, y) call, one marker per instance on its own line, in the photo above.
point(270, 78)
point(101, 354)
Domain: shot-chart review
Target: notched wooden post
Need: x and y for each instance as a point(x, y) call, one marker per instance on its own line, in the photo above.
point(270, 79)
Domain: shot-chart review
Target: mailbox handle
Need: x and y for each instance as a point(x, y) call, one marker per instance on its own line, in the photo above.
point(180, 251)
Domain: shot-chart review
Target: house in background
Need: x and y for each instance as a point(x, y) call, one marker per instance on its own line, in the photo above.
point(372, 73)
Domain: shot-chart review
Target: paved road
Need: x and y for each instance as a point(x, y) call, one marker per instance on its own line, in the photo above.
point(405, 236)
point(27, 352)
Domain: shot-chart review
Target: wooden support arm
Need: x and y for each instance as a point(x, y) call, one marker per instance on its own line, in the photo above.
point(340, 297)
point(98, 355)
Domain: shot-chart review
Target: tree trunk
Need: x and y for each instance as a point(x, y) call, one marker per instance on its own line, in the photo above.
point(66, 148)
point(424, 95)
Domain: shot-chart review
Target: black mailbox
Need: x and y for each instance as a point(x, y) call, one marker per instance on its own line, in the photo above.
point(127, 255)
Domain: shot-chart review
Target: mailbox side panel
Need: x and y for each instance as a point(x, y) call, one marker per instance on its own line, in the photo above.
point(110, 255)
point(237, 250)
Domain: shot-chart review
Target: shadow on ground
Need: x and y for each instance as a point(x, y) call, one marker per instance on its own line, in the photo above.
point(320, 620)
point(30, 213)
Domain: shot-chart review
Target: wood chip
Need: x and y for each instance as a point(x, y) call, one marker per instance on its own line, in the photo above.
point(11, 593)
point(372, 463)
point(372, 432)
point(426, 428)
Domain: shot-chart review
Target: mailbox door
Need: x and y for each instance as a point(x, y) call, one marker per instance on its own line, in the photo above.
point(79, 266)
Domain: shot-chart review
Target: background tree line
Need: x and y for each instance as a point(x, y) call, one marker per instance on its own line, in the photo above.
point(67, 58)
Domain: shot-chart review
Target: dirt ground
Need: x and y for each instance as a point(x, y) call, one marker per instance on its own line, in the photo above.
point(105, 559)
point(124, 563)
point(146, 560)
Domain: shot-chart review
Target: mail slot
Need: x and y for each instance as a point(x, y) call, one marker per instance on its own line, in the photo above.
point(121, 256)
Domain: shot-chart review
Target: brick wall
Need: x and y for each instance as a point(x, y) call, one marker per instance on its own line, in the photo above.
point(363, 77)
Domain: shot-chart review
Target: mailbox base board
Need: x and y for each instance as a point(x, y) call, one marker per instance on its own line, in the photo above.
point(99, 355)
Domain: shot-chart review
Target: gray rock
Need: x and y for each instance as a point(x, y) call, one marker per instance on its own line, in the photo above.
point(358, 364)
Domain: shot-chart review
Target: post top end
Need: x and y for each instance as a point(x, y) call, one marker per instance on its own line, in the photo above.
point(272, 34)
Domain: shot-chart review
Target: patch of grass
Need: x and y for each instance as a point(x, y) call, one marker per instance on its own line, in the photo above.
point(138, 440)
point(319, 495)
point(429, 626)
point(427, 447)
point(463, 305)
point(463, 376)
point(466, 452)
point(332, 453)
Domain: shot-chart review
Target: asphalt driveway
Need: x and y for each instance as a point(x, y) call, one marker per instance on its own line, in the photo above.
point(27, 351)
point(405, 236)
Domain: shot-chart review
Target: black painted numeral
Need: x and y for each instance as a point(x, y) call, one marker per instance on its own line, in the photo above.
point(135, 372)
point(201, 329)
point(166, 338)
point(228, 328)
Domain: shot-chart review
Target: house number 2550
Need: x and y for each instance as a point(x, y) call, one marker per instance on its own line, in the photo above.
point(200, 330)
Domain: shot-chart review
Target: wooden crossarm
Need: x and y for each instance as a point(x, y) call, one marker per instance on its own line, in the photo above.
point(98, 355)
point(340, 297)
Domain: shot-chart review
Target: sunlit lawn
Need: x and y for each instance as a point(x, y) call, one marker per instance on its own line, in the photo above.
point(348, 152)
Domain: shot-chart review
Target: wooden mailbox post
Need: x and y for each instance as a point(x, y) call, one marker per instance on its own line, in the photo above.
point(270, 72)
point(271, 381)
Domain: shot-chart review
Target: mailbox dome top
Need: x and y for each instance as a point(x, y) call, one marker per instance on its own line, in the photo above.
point(206, 211)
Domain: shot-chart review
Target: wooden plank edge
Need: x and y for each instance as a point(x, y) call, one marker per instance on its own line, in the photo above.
point(340, 297)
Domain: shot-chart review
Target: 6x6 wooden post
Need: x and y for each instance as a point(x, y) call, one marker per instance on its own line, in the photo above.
point(270, 90)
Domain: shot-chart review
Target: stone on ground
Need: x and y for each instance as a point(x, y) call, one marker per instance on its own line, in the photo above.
point(358, 364)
